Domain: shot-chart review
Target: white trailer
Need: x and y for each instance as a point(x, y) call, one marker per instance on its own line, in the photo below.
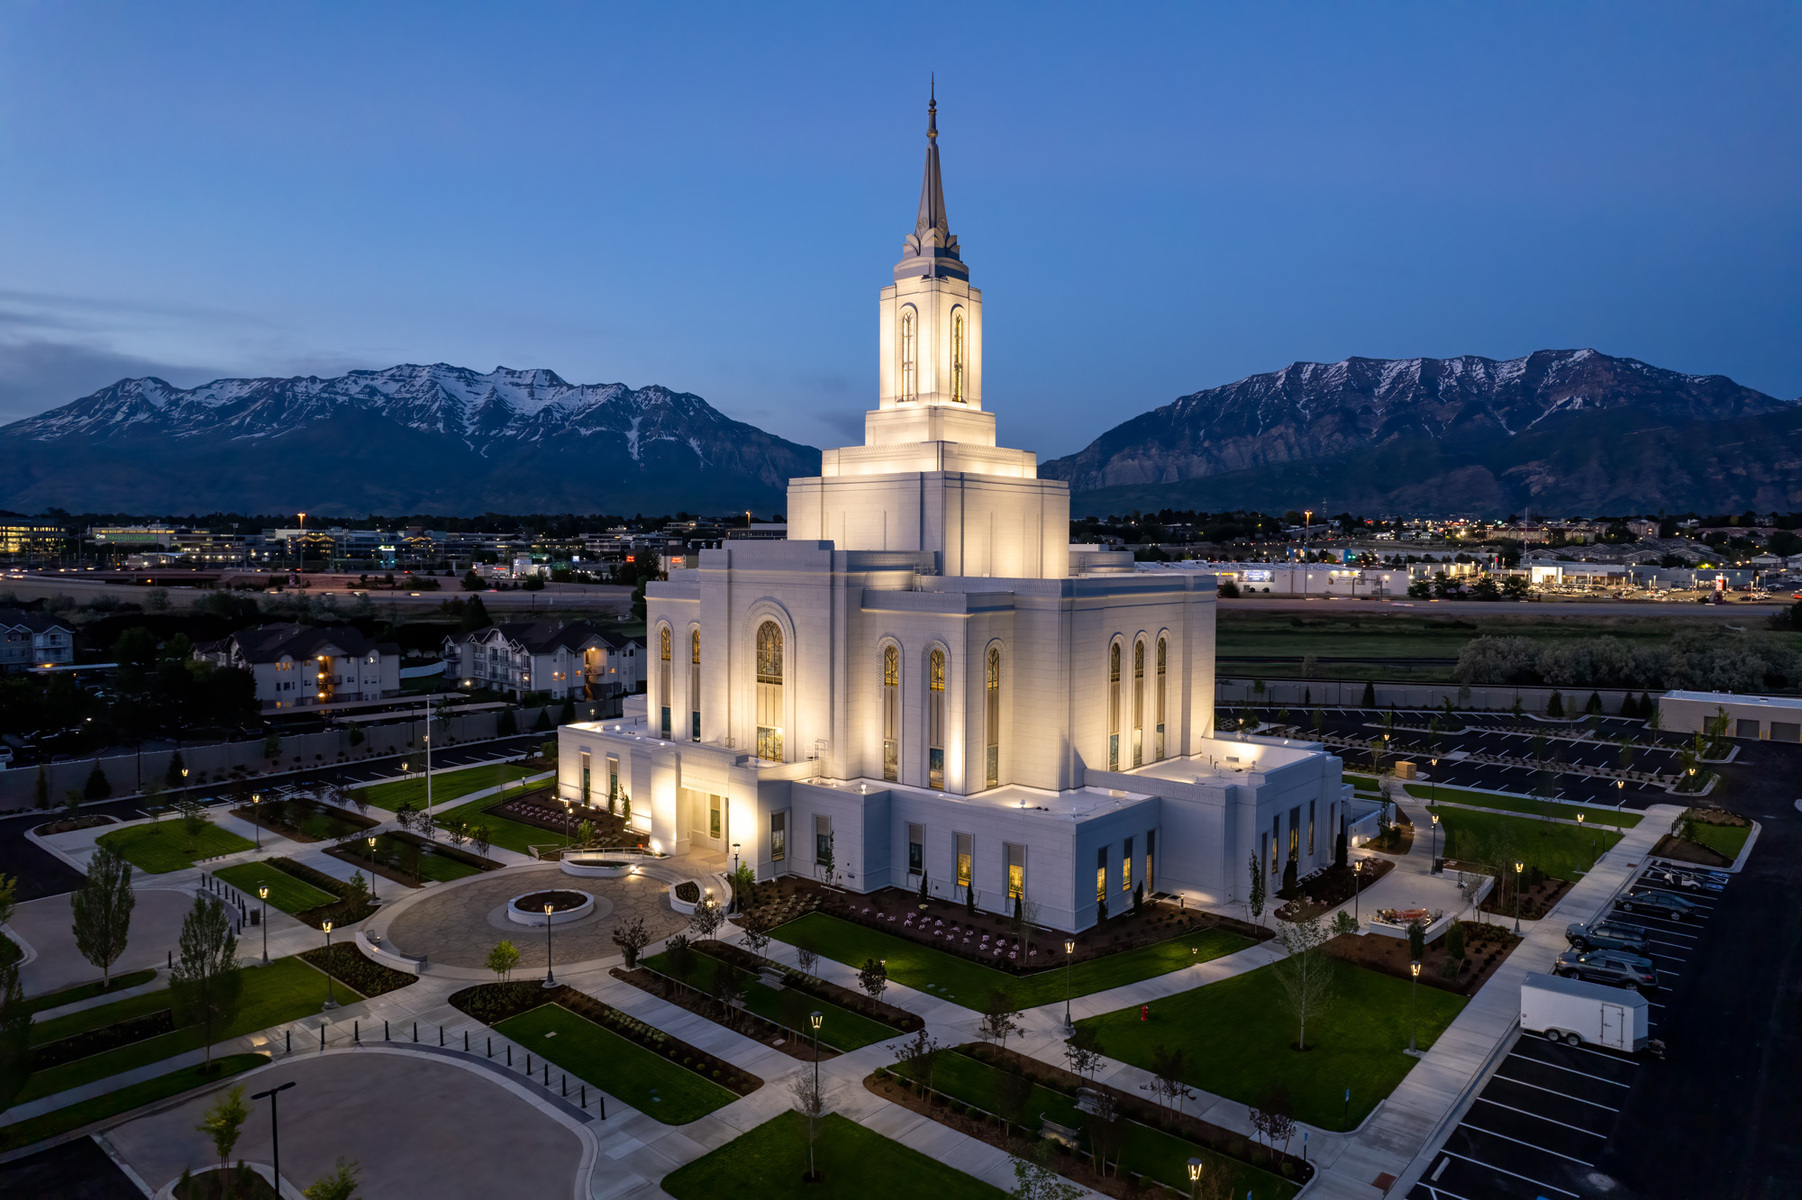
point(1573, 1011)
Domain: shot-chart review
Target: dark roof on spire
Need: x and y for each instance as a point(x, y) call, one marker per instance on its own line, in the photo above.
point(931, 250)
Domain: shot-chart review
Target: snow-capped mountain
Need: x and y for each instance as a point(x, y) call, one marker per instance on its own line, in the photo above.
point(1556, 430)
point(405, 439)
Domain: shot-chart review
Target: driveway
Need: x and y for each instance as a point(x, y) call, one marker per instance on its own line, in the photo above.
point(48, 925)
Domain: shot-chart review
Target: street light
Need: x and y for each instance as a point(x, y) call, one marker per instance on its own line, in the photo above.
point(1194, 1178)
point(550, 980)
point(263, 895)
point(814, 1018)
point(256, 798)
point(1435, 843)
point(331, 1001)
point(1069, 957)
point(371, 841)
point(1414, 971)
point(1518, 868)
point(275, 1132)
point(1357, 886)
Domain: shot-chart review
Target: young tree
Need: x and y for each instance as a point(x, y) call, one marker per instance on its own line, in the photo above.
point(918, 1056)
point(176, 775)
point(341, 1184)
point(502, 959)
point(757, 925)
point(810, 1102)
point(72, 803)
point(925, 889)
point(1013, 1093)
point(1307, 973)
point(41, 791)
point(729, 986)
point(1417, 940)
point(1255, 903)
point(631, 937)
point(193, 818)
point(1167, 1087)
point(102, 907)
point(806, 957)
point(706, 918)
point(1035, 1180)
point(1106, 1132)
point(15, 1033)
point(1000, 1019)
point(1082, 1050)
point(873, 977)
point(206, 985)
point(223, 1122)
point(679, 954)
point(480, 836)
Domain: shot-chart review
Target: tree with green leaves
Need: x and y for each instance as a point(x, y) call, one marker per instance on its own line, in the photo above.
point(810, 1102)
point(502, 959)
point(631, 937)
point(1000, 1019)
point(873, 977)
point(706, 918)
point(207, 985)
point(341, 1184)
point(1307, 973)
point(102, 906)
point(223, 1123)
point(98, 787)
point(1255, 902)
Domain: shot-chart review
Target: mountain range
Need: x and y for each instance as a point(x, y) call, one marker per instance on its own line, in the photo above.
point(1556, 431)
point(408, 439)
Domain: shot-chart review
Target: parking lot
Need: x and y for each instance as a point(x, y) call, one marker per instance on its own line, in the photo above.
point(1541, 1122)
point(1570, 748)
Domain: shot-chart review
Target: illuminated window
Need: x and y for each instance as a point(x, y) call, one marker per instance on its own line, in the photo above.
point(935, 720)
point(778, 836)
point(1113, 707)
point(769, 691)
point(910, 387)
point(587, 772)
point(891, 713)
point(1016, 871)
point(1126, 866)
point(1157, 750)
point(1151, 845)
point(992, 711)
point(663, 696)
point(965, 849)
point(1101, 875)
point(694, 684)
point(1138, 704)
point(957, 356)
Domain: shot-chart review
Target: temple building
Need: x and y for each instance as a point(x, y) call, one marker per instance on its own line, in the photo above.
point(927, 679)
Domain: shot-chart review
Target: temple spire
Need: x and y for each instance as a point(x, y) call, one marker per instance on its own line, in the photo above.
point(931, 251)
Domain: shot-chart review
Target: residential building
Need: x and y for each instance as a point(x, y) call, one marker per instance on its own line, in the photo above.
point(304, 666)
point(567, 659)
point(32, 639)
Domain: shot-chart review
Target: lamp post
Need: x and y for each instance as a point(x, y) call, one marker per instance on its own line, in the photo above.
point(1069, 957)
point(1518, 868)
point(568, 816)
point(814, 1018)
point(256, 799)
point(550, 980)
point(275, 1131)
point(1435, 817)
point(331, 1001)
point(1194, 1178)
point(263, 895)
point(371, 840)
point(1357, 886)
point(1413, 987)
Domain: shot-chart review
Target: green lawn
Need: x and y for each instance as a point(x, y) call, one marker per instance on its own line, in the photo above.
point(446, 785)
point(1561, 851)
point(285, 990)
point(969, 983)
point(1238, 1035)
point(70, 1024)
point(854, 1163)
point(502, 831)
point(287, 893)
point(1722, 839)
point(86, 991)
point(652, 1084)
point(62, 1120)
point(1150, 1152)
point(162, 846)
point(842, 1029)
point(1519, 804)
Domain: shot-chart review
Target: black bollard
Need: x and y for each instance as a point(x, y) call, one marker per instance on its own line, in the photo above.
point(566, 1085)
point(416, 1033)
point(528, 1062)
point(466, 1041)
point(172, 960)
point(509, 1056)
point(491, 1045)
point(603, 1101)
point(322, 1037)
point(384, 1029)
point(356, 1032)
point(584, 1097)
point(547, 1074)
point(288, 1041)
point(441, 1035)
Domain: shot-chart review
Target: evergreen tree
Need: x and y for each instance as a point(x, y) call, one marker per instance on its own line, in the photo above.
point(98, 786)
point(1370, 694)
point(175, 776)
point(206, 986)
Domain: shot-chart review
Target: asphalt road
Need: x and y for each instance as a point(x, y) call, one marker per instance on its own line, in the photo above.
point(1686, 609)
point(43, 874)
point(553, 598)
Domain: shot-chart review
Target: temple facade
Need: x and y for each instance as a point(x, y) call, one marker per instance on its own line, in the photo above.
point(927, 680)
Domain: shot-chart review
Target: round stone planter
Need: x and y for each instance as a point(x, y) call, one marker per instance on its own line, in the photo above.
point(529, 909)
point(596, 866)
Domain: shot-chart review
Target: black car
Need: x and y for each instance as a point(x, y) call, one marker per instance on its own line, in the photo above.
point(1658, 904)
point(1606, 935)
point(1613, 967)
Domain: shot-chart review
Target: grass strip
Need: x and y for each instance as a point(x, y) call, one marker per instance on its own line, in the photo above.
point(957, 979)
point(1358, 1042)
point(446, 785)
point(769, 1161)
point(1561, 851)
point(841, 1028)
point(159, 847)
point(1726, 840)
point(62, 1120)
point(87, 991)
point(502, 831)
point(1434, 794)
point(285, 892)
point(655, 1086)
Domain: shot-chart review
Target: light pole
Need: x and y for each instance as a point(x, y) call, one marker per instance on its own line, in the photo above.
point(263, 895)
point(1518, 868)
point(1435, 843)
point(814, 1018)
point(1069, 957)
point(331, 1001)
point(567, 818)
point(1194, 1178)
point(550, 980)
point(256, 799)
point(1357, 886)
point(275, 1129)
point(371, 840)
point(1413, 987)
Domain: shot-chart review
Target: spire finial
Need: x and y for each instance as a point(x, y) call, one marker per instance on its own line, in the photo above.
point(932, 107)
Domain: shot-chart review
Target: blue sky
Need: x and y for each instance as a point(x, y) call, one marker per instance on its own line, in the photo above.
point(1154, 199)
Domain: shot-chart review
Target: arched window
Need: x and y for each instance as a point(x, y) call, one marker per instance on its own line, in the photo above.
point(663, 696)
point(992, 714)
point(910, 386)
point(891, 713)
point(935, 720)
point(694, 684)
point(1162, 697)
point(769, 691)
point(1113, 707)
point(957, 356)
point(1138, 704)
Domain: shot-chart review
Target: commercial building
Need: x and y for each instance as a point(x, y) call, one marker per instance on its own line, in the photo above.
point(1754, 718)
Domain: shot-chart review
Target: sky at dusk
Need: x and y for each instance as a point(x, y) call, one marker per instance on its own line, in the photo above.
point(1153, 199)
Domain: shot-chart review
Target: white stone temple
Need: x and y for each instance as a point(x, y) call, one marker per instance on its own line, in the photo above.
point(927, 678)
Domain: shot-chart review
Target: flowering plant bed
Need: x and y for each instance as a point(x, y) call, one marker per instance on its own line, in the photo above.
point(790, 1041)
point(801, 981)
point(351, 906)
point(319, 822)
point(107, 1037)
point(1486, 948)
point(70, 824)
point(347, 964)
point(1328, 888)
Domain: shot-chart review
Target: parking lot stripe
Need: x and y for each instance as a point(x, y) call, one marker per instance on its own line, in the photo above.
point(1439, 1192)
point(1560, 1067)
point(1540, 1117)
point(1553, 1091)
point(1513, 1174)
point(1528, 1145)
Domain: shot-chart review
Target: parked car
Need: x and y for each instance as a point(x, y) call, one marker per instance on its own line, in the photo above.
point(1683, 881)
point(1606, 935)
point(1614, 967)
point(1658, 904)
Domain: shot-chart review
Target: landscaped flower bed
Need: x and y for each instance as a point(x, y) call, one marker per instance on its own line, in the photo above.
point(347, 964)
point(1328, 888)
point(304, 822)
point(107, 1037)
point(351, 905)
point(801, 981)
point(70, 824)
point(493, 1002)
